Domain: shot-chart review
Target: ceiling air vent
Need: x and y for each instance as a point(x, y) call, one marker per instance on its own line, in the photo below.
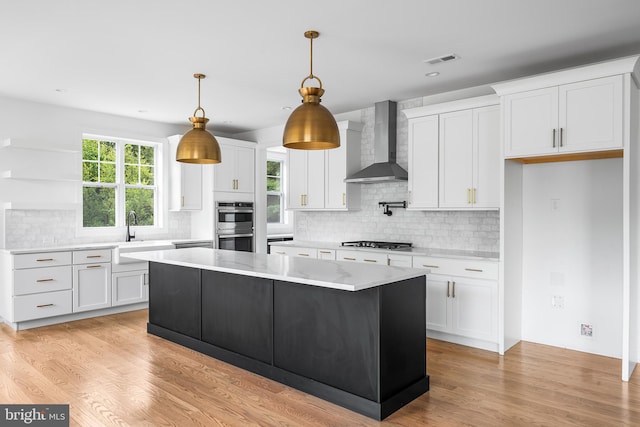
point(443, 58)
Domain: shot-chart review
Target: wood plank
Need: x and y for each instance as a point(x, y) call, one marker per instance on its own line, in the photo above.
point(112, 372)
point(568, 157)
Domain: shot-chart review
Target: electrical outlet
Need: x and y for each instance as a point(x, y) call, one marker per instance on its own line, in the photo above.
point(586, 330)
point(557, 301)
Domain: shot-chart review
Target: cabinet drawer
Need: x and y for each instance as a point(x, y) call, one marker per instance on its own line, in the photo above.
point(92, 256)
point(41, 259)
point(36, 306)
point(458, 267)
point(362, 256)
point(36, 280)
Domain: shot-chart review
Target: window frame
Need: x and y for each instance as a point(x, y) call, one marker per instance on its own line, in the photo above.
point(121, 187)
point(280, 193)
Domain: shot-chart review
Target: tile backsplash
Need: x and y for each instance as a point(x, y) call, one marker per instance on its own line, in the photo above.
point(27, 229)
point(469, 230)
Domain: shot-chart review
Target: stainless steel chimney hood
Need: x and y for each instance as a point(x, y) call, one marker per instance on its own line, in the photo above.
point(384, 168)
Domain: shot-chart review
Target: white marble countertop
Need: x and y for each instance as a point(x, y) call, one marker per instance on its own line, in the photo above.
point(101, 245)
point(341, 275)
point(433, 252)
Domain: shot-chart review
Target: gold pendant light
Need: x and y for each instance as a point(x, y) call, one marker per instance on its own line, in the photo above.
point(198, 145)
point(311, 126)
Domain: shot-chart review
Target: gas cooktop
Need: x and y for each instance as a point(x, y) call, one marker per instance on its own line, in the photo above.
point(377, 245)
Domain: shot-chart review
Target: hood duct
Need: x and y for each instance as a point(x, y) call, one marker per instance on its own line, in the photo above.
point(384, 168)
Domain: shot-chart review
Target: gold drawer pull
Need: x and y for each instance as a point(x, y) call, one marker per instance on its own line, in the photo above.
point(430, 266)
point(370, 260)
point(349, 259)
point(325, 252)
point(303, 254)
point(44, 259)
point(94, 266)
point(44, 305)
point(44, 280)
point(94, 256)
point(477, 270)
point(281, 253)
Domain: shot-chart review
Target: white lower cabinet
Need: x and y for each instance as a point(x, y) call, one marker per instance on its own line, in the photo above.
point(329, 254)
point(362, 256)
point(295, 251)
point(91, 286)
point(462, 300)
point(129, 283)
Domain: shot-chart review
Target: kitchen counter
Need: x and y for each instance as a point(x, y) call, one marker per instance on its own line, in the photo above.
point(432, 252)
point(346, 338)
point(101, 245)
point(323, 273)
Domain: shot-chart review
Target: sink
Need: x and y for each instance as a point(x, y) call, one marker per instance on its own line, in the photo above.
point(119, 252)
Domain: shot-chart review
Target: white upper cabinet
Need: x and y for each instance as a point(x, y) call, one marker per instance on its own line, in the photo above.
point(185, 181)
point(590, 115)
point(316, 177)
point(423, 162)
point(570, 118)
point(470, 159)
point(236, 171)
point(306, 179)
point(486, 157)
point(454, 155)
point(456, 159)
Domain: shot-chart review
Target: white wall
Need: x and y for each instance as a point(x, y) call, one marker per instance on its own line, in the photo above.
point(46, 125)
point(572, 239)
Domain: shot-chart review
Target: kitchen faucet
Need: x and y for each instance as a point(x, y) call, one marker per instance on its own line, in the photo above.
point(135, 222)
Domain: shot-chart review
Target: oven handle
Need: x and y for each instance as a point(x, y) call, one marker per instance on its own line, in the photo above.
point(235, 210)
point(229, 236)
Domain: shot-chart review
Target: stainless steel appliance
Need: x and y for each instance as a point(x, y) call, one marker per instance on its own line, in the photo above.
point(378, 245)
point(234, 226)
point(198, 244)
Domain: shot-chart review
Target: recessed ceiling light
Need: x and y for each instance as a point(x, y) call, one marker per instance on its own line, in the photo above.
point(227, 122)
point(60, 90)
point(286, 108)
point(143, 111)
point(433, 74)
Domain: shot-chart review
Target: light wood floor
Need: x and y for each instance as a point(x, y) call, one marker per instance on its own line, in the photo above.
point(112, 372)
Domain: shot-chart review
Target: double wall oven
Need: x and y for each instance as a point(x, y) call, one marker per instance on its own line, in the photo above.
point(234, 226)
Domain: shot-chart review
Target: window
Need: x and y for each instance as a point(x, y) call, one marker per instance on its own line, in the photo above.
point(275, 196)
point(118, 176)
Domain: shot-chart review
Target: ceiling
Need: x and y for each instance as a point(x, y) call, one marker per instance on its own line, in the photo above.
point(137, 58)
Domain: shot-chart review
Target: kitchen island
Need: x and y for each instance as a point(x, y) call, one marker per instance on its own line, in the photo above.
point(348, 333)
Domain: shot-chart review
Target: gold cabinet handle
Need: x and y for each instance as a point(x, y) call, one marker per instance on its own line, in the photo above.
point(44, 260)
point(44, 280)
point(453, 289)
point(561, 132)
point(281, 253)
point(478, 270)
point(370, 260)
point(553, 138)
point(474, 196)
point(182, 201)
point(468, 196)
point(95, 266)
point(344, 199)
point(44, 305)
point(448, 291)
point(430, 266)
point(348, 259)
point(303, 255)
point(94, 256)
point(325, 252)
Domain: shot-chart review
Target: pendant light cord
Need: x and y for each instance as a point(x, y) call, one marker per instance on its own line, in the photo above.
point(199, 77)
